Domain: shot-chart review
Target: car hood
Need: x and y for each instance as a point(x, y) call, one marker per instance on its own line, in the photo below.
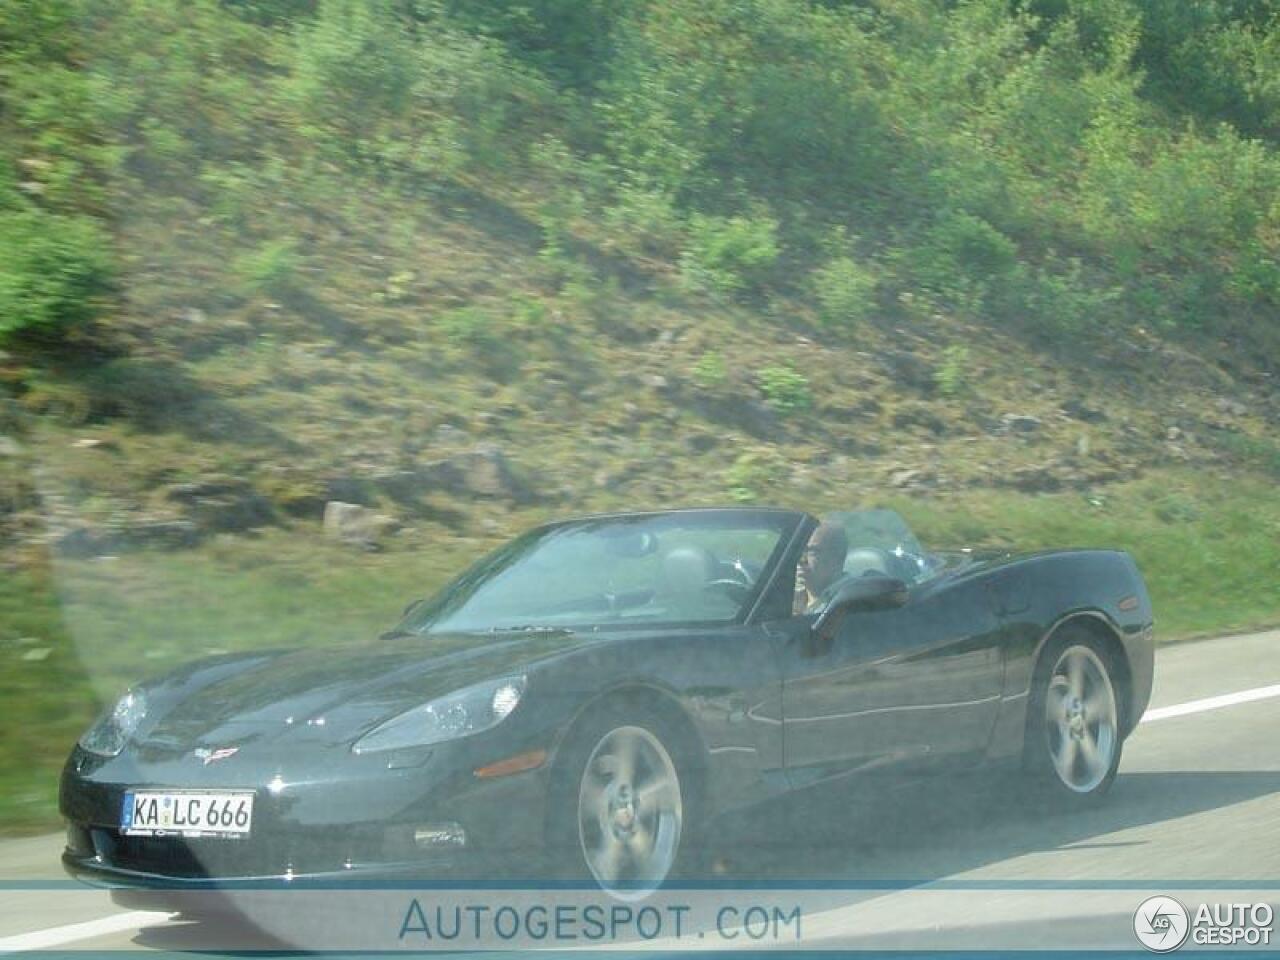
point(331, 694)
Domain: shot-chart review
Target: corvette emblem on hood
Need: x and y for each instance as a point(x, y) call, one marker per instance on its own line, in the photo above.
point(208, 756)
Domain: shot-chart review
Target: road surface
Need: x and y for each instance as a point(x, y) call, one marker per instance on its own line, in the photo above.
point(1197, 804)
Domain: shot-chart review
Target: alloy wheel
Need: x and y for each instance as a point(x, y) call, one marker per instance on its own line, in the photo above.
point(1080, 719)
point(630, 813)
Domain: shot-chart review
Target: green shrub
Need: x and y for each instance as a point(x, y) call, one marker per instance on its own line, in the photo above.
point(563, 202)
point(970, 244)
point(403, 86)
point(1061, 299)
point(71, 403)
point(957, 258)
point(644, 221)
point(1227, 53)
point(785, 389)
point(152, 394)
point(1259, 452)
point(752, 473)
point(710, 371)
point(846, 291)
point(570, 39)
point(1187, 220)
point(55, 274)
point(727, 255)
point(1177, 508)
point(952, 374)
point(398, 289)
point(477, 339)
point(713, 98)
point(354, 65)
point(472, 326)
point(171, 86)
point(272, 11)
point(270, 268)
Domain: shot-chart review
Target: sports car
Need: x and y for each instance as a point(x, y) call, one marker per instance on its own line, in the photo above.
point(598, 693)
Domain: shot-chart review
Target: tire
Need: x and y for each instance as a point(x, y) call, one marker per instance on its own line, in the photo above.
point(1074, 719)
point(624, 802)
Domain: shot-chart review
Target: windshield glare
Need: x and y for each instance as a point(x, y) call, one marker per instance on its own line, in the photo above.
point(671, 568)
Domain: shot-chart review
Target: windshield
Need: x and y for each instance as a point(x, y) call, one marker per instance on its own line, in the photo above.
point(666, 568)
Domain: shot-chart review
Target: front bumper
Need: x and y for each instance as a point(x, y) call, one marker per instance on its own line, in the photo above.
point(104, 873)
point(171, 863)
point(345, 823)
point(257, 899)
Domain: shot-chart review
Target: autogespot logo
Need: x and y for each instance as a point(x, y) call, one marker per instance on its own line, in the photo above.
point(1161, 924)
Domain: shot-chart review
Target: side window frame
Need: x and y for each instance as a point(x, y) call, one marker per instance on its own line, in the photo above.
point(777, 599)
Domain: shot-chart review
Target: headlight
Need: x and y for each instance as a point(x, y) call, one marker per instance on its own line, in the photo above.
point(459, 714)
point(113, 729)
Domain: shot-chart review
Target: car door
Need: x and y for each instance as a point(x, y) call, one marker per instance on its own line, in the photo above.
point(908, 690)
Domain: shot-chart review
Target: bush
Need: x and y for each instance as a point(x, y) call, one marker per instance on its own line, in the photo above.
point(726, 256)
point(644, 222)
point(710, 371)
point(471, 326)
point(784, 389)
point(753, 472)
point(151, 394)
point(374, 82)
point(970, 244)
point(957, 258)
point(952, 374)
point(1177, 508)
point(1060, 299)
point(1260, 452)
point(55, 273)
point(775, 97)
point(478, 339)
point(270, 268)
point(570, 39)
point(1257, 274)
point(845, 290)
point(271, 12)
point(355, 64)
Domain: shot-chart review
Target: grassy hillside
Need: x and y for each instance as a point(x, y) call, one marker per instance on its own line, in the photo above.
point(1011, 268)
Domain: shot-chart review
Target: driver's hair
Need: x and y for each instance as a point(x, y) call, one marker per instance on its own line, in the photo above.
point(830, 541)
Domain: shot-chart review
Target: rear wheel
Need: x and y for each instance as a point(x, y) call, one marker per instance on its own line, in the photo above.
point(1073, 731)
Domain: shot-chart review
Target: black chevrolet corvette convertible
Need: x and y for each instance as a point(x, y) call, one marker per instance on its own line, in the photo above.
point(598, 692)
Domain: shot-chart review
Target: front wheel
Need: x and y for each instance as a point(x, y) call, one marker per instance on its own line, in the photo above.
point(1073, 741)
point(623, 804)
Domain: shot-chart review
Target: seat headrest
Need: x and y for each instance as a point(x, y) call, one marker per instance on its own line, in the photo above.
point(687, 569)
point(863, 560)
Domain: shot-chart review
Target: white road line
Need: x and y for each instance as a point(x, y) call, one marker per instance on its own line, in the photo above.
point(1211, 703)
point(58, 936)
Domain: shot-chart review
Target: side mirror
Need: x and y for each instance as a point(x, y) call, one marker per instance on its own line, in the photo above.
point(864, 593)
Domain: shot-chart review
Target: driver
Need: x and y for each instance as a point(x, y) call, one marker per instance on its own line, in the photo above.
point(821, 565)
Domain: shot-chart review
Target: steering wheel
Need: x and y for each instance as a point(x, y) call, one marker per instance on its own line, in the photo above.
point(737, 587)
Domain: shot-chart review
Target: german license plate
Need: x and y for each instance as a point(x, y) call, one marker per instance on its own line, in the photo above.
point(187, 813)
